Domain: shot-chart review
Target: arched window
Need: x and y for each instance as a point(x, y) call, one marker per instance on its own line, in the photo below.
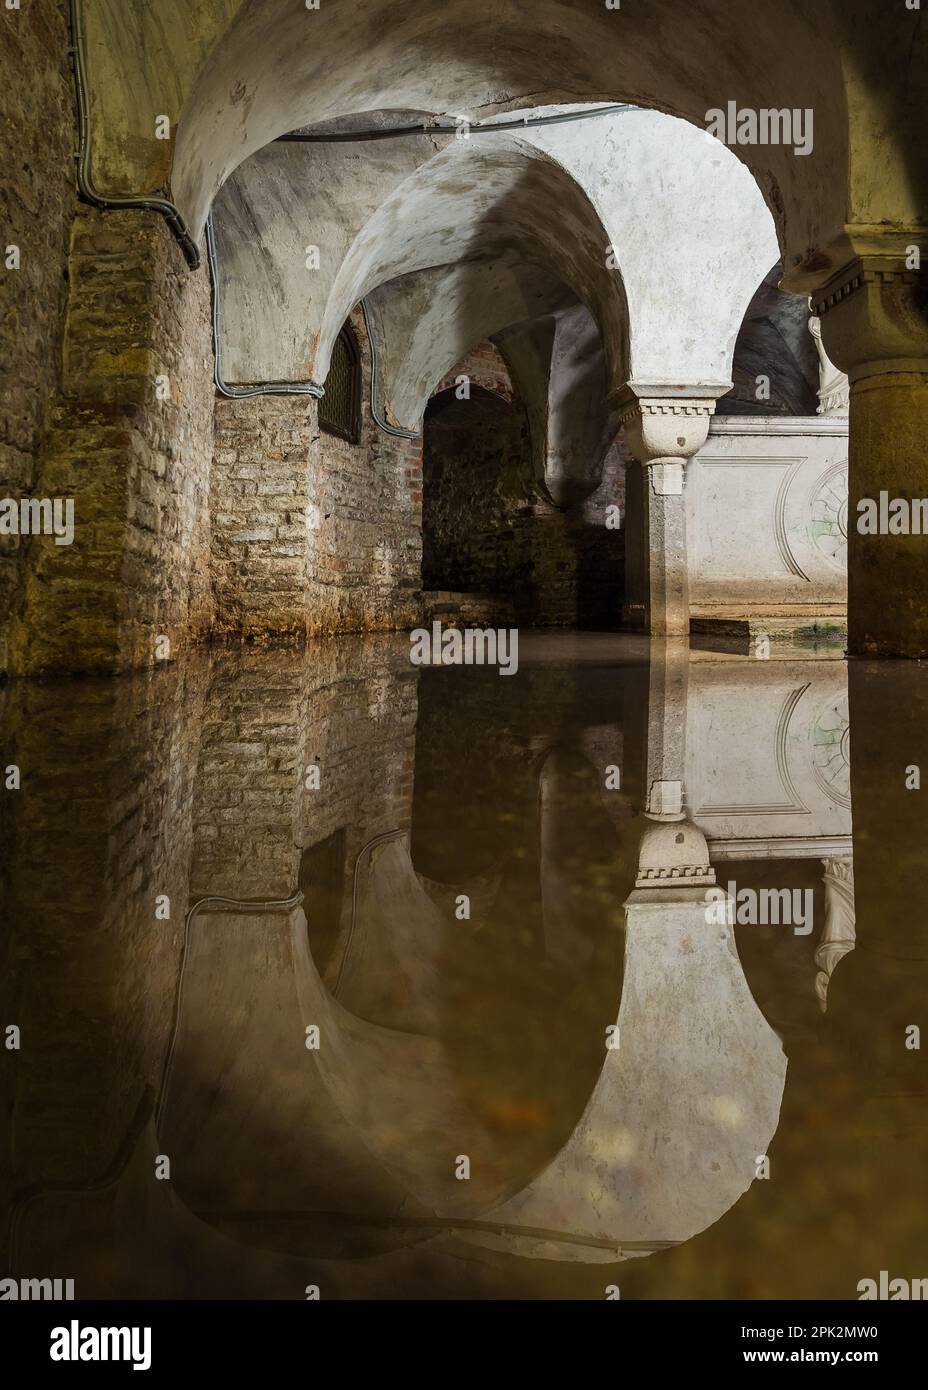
point(340, 407)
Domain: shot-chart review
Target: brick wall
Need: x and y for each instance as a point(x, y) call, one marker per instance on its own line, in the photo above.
point(487, 529)
point(185, 781)
point(37, 201)
point(136, 465)
point(355, 566)
point(175, 536)
point(483, 366)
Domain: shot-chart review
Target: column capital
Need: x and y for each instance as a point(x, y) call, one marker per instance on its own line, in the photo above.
point(674, 855)
point(874, 309)
point(664, 423)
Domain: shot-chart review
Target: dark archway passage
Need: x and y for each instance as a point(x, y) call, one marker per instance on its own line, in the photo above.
point(476, 475)
point(487, 528)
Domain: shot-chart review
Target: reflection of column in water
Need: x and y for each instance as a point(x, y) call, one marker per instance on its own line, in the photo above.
point(577, 850)
point(668, 681)
point(839, 932)
point(688, 1093)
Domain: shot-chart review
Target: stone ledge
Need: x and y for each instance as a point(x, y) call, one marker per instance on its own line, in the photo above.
point(808, 629)
point(779, 424)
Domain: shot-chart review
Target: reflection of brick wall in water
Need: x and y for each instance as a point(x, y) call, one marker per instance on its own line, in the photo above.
point(102, 828)
point(348, 708)
point(183, 784)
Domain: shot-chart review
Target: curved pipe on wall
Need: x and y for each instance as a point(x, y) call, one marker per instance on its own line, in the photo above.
point(85, 185)
point(267, 388)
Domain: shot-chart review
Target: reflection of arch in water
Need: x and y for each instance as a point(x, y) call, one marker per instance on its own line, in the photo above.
point(520, 1036)
point(267, 1140)
point(370, 1125)
point(666, 1143)
point(685, 1102)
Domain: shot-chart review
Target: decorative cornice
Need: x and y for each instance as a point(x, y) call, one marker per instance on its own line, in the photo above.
point(782, 847)
point(872, 317)
point(643, 408)
point(664, 422)
point(692, 875)
point(855, 275)
point(869, 242)
point(659, 398)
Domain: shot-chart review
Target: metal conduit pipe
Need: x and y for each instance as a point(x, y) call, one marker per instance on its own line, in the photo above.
point(268, 388)
point(172, 214)
point(287, 388)
point(363, 855)
point(178, 226)
point(85, 185)
point(379, 421)
point(297, 137)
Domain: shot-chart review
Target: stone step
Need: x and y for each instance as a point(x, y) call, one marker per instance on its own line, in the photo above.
point(815, 628)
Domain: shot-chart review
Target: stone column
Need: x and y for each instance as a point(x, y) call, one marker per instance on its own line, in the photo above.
point(874, 314)
point(664, 426)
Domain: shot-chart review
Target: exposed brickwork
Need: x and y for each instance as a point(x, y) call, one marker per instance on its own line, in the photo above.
point(483, 366)
point(37, 201)
point(279, 529)
point(312, 534)
point(137, 466)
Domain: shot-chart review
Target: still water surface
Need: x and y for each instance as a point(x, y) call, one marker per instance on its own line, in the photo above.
point(501, 1046)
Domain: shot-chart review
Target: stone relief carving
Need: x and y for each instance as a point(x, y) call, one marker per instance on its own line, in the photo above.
point(829, 504)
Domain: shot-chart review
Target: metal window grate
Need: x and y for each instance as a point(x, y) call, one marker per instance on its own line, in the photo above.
point(340, 407)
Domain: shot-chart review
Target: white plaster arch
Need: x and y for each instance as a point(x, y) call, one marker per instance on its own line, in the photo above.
point(689, 229)
point(235, 74)
point(426, 322)
point(476, 199)
point(414, 210)
point(651, 215)
point(275, 68)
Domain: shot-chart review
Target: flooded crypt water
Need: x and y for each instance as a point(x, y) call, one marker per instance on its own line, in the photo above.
point(463, 666)
point(333, 971)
